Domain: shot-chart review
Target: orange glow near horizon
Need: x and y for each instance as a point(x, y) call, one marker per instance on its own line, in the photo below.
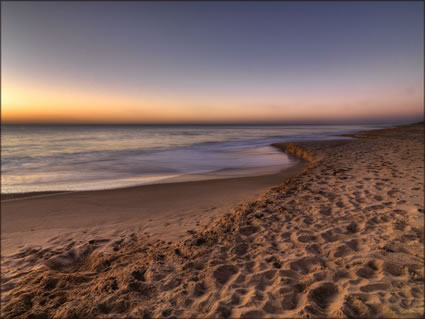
point(45, 104)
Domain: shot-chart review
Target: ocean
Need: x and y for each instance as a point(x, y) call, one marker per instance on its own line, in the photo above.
point(90, 157)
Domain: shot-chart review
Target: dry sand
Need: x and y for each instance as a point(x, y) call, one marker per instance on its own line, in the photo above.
point(344, 238)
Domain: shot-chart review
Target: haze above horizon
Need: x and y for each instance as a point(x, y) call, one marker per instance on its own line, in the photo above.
point(212, 62)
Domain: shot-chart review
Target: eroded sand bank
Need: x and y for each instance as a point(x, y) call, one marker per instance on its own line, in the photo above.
point(343, 239)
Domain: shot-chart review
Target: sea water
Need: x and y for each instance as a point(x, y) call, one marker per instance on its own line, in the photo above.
point(89, 157)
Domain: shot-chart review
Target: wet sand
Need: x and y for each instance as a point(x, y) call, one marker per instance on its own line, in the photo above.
point(343, 238)
point(165, 211)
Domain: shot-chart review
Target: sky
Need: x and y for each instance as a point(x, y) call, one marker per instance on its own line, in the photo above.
point(212, 62)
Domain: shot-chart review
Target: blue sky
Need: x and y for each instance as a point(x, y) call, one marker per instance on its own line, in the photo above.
point(212, 61)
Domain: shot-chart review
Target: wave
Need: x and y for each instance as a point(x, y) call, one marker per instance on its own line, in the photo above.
point(52, 160)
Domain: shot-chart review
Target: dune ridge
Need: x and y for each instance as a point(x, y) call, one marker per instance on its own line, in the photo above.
point(342, 239)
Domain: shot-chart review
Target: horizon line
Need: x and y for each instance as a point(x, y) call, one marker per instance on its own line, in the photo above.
point(380, 122)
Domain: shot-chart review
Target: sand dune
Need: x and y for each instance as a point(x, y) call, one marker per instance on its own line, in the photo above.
point(345, 238)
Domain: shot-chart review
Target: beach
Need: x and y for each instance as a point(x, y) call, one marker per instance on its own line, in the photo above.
point(341, 234)
point(162, 211)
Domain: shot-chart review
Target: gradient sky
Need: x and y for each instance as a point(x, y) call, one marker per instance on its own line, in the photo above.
point(167, 62)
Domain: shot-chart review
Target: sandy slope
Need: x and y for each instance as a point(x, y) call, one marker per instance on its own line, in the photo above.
point(164, 211)
point(343, 239)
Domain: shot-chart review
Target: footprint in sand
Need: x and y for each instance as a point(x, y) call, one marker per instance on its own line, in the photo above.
point(305, 265)
point(306, 238)
point(323, 294)
point(248, 230)
point(223, 273)
point(374, 287)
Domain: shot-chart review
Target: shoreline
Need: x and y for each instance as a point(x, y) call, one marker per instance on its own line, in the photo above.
point(141, 208)
point(261, 172)
point(190, 176)
point(249, 172)
point(343, 238)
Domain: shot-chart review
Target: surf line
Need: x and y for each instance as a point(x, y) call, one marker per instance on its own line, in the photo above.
point(36, 196)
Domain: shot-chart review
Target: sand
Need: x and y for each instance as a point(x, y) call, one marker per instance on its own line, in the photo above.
point(164, 211)
point(343, 238)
